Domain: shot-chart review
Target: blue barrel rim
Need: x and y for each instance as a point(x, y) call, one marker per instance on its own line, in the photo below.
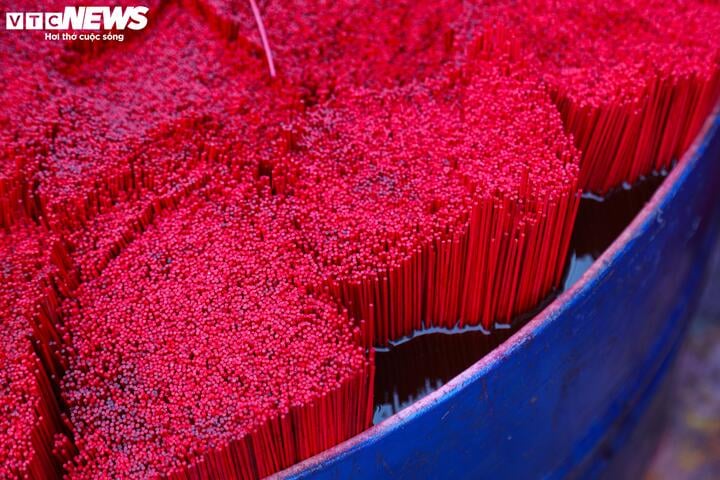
point(599, 269)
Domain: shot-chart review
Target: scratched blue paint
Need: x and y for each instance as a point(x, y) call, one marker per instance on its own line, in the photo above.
point(571, 393)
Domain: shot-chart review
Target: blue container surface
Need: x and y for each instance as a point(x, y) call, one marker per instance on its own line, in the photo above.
point(573, 393)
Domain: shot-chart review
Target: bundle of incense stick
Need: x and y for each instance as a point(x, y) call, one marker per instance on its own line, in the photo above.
point(207, 227)
point(634, 81)
point(200, 338)
point(33, 440)
point(453, 205)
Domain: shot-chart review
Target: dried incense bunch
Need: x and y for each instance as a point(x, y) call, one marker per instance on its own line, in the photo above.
point(198, 256)
point(634, 81)
point(199, 348)
point(32, 274)
point(452, 205)
point(117, 106)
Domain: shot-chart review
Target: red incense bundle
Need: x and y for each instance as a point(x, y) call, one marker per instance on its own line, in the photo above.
point(106, 110)
point(200, 351)
point(443, 203)
point(634, 81)
point(31, 270)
